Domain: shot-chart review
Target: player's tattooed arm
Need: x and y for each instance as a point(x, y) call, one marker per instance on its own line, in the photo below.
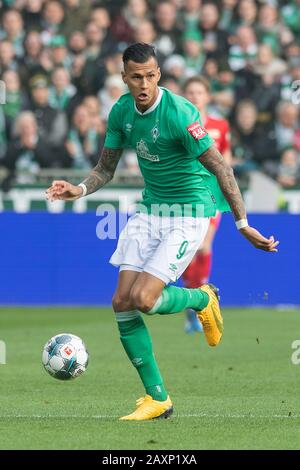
point(104, 171)
point(98, 177)
point(215, 163)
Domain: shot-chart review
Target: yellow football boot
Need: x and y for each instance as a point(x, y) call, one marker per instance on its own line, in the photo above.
point(148, 408)
point(210, 317)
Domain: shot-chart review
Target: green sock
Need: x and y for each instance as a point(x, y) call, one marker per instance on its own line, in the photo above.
point(175, 299)
point(138, 346)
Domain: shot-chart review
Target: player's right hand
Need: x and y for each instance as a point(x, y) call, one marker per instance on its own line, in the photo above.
point(63, 190)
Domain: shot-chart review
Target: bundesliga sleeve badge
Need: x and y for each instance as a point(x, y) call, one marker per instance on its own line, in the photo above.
point(196, 131)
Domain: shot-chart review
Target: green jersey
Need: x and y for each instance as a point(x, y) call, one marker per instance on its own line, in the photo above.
point(168, 139)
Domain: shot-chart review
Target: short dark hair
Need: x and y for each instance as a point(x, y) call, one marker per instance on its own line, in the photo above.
point(139, 52)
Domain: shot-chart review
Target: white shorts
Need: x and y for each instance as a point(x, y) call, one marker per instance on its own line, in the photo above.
point(161, 246)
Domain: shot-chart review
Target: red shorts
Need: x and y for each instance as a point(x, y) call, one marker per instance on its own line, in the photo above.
point(193, 275)
point(190, 277)
point(215, 221)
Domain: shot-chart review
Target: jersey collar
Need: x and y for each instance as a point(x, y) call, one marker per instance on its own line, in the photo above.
point(154, 106)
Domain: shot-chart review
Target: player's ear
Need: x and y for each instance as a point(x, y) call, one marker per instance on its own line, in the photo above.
point(124, 77)
point(158, 74)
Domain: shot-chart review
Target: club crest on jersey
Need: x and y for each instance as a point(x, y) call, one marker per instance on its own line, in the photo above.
point(196, 131)
point(155, 133)
point(143, 152)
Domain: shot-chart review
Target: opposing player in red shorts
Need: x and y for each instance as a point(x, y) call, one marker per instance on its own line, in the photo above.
point(197, 90)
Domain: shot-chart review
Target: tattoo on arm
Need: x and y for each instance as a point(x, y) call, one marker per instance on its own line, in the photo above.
point(104, 171)
point(213, 161)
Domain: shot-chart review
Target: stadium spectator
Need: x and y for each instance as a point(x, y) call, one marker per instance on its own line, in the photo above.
point(253, 145)
point(30, 64)
point(288, 173)
point(270, 30)
point(13, 30)
point(215, 40)
point(193, 53)
point(168, 32)
point(3, 135)
point(83, 140)
point(52, 22)
point(292, 53)
point(145, 32)
point(286, 125)
point(91, 73)
point(16, 99)
point(267, 63)
point(190, 14)
point(63, 95)
point(52, 123)
point(77, 13)
point(227, 14)
point(101, 17)
point(32, 14)
point(92, 104)
point(59, 55)
point(124, 24)
point(113, 62)
point(243, 53)
point(172, 84)
point(175, 67)
point(27, 152)
point(114, 87)
point(77, 44)
point(222, 89)
point(266, 97)
point(290, 15)
point(7, 57)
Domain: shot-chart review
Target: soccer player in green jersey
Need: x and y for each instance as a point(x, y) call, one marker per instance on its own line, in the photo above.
point(186, 181)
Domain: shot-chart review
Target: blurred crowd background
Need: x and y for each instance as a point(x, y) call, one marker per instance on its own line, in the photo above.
point(61, 63)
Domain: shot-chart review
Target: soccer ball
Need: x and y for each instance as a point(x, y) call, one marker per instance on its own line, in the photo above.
point(65, 356)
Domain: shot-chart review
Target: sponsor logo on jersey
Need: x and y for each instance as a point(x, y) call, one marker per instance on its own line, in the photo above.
point(128, 127)
point(196, 131)
point(143, 152)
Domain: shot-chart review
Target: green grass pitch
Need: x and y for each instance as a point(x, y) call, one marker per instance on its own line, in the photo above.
point(244, 394)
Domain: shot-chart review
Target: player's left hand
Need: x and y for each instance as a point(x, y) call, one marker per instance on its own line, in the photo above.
point(259, 241)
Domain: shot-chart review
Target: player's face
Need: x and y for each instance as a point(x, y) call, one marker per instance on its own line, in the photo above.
point(142, 81)
point(197, 94)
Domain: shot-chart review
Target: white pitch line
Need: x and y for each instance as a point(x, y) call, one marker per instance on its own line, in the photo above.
point(200, 415)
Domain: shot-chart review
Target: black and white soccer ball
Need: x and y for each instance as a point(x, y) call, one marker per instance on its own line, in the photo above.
point(65, 356)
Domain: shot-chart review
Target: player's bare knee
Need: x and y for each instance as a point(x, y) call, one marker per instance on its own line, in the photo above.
point(121, 304)
point(142, 299)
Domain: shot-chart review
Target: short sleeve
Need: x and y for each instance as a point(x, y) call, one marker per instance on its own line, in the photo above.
point(115, 137)
point(190, 131)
